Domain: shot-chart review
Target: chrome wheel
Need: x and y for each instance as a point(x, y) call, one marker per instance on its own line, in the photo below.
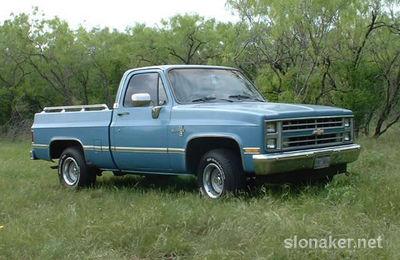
point(70, 171)
point(213, 180)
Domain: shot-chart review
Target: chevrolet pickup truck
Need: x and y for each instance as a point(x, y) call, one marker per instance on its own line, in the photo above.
point(208, 121)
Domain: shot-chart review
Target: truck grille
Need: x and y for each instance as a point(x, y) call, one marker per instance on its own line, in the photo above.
point(328, 139)
point(308, 133)
point(305, 124)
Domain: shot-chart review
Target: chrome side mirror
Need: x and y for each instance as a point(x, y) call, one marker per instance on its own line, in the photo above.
point(141, 99)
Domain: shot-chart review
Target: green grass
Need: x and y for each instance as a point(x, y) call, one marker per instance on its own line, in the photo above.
point(131, 218)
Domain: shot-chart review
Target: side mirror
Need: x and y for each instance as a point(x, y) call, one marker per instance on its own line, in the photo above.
point(141, 99)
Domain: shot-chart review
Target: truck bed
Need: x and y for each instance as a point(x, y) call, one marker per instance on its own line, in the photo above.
point(88, 125)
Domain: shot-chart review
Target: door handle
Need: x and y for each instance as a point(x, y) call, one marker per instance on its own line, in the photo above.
point(122, 113)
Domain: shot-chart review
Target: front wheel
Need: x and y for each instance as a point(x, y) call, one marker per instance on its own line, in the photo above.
point(220, 172)
point(73, 171)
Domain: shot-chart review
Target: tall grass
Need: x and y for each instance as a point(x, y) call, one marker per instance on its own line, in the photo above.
point(132, 218)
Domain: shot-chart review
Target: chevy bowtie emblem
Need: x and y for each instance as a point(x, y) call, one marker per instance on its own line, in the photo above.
point(318, 131)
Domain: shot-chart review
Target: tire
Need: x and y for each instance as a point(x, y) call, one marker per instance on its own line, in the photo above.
point(220, 172)
point(73, 171)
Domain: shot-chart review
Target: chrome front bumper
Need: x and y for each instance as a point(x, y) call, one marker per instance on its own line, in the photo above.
point(265, 164)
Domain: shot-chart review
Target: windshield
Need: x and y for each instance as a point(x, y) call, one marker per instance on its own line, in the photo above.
point(212, 85)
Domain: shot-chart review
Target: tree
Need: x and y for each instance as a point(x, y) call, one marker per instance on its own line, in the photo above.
point(320, 52)
point(341, 52)
point(189, 39)
point(13, 69)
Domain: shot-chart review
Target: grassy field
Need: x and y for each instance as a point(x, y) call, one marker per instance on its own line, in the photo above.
point(131, 218)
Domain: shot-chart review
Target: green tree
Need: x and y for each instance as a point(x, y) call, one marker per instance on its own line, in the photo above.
point(320, 52)
point(13, 69)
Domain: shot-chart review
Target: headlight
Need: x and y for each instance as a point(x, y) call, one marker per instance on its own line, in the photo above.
point(347, 122)
point(271, 127)
point(347, 137)
point(271, 143)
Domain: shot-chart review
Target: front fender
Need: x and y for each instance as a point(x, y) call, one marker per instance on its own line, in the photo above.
point(246, 159)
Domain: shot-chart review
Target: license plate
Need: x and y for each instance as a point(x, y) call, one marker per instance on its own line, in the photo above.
point(322, 161)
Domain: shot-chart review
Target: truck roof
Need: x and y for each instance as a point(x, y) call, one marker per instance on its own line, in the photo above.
point(169, 67)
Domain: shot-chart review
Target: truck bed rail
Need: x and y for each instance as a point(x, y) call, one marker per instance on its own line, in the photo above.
point(79, 108)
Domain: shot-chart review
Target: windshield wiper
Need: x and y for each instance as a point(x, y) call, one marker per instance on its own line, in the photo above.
point(240, 97)
point(205, 99)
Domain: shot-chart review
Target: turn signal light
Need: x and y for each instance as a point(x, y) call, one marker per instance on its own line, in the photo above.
point(251, 150)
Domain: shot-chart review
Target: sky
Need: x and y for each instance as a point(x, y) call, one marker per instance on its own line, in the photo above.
point(118, 14)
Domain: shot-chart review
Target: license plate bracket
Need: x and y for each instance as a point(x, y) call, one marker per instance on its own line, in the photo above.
point(322, 161)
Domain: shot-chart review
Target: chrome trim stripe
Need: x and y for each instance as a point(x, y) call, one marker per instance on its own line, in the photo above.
point(176, 150)
point(140, 149)
point(40, 146)
point(96, 148)
point(148, 150)
point(91, 147)
point(123, 149)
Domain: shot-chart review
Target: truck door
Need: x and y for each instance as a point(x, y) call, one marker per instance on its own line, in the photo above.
point(138, 140)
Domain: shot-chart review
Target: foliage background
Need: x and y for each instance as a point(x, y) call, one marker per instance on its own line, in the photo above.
point(341, 53)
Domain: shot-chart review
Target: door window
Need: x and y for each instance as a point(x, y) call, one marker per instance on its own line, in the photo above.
point(150, 83)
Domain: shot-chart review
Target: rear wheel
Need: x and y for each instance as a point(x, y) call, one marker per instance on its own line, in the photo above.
point(73, 171)
point(220, 172)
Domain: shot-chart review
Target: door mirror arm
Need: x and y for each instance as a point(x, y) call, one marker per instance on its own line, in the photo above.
point(155, 111)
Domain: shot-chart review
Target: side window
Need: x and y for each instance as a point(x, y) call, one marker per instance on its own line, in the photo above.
point(146, 83)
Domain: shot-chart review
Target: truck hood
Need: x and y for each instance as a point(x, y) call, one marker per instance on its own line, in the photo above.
point(269, 110)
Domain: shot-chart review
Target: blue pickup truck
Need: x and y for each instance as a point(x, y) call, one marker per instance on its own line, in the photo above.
point(208, 121)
